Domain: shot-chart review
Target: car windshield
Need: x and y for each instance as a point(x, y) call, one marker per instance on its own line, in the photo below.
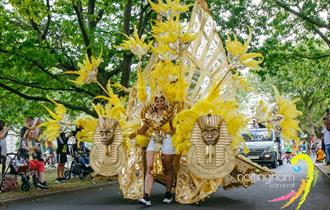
point(257, 135)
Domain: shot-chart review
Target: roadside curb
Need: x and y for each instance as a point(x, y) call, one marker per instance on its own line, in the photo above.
point(322, 171)
point(45, 193)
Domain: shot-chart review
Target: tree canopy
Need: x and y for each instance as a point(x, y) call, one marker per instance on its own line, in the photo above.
point(41, 39)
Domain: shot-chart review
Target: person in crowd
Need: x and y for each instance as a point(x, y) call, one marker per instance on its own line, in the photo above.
point(288, 153)
point(326, 137)
point(50, 147)
point(303, 148)
point(314, 149)
point(308, 148)
point(49, 156)
point(319, 155)
point(28, 124)
point(83, 148)
point(23, 152)
point(30, 142)
point(3, 145)
point(61, 152)
point(255, 124)
point(81, 153)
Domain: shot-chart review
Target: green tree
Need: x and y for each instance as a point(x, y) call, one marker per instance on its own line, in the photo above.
point(39, 40)
point(294, 38)
point(300, 72)
point(279, 20)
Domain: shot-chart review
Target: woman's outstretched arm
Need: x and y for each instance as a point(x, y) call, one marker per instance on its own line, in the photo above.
point(142, 130)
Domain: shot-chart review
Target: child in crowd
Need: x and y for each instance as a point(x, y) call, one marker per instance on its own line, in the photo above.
point(319, 155)
point(288, 153)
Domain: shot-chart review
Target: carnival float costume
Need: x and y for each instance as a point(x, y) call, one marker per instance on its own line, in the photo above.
point(198, 78)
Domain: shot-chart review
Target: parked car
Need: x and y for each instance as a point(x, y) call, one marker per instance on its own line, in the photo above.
point(264, 148)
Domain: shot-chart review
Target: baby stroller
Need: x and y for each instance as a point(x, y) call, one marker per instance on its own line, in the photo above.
point(80, 163)
point(17, 167)
point(50, 159)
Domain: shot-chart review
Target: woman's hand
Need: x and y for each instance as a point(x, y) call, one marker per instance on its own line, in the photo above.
point(173, 130)
point(143, 129)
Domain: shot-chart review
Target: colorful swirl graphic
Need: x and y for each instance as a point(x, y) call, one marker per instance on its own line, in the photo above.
point(305, 186)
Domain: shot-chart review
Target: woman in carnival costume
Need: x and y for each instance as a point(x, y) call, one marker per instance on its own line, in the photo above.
point(158, 118)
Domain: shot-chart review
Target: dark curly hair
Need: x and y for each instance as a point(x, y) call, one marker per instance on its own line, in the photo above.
point(156, 97)
point(2, 124)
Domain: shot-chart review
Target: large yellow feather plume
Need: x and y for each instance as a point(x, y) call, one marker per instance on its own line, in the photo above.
point(88, 70)
point(171, 43)
point(88, 125)
point(113, 107)
point(236, 49)
point(170, 9)
point(141, 87)
point(135, 45)
point(240, 83)
point(53, 125)
point(261, 111)
point(287, 109)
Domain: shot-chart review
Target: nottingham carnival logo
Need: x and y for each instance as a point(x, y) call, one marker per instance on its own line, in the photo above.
point(306, 183)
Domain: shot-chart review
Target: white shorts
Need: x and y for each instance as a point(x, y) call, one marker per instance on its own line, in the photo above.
point(167, 147)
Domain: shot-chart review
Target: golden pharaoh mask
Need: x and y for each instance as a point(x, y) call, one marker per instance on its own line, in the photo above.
point(210, 155)
point(107, 155)
point(210, 129)
point(107, 128)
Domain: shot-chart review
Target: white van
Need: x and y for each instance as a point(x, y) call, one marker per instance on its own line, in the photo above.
point(264, 148)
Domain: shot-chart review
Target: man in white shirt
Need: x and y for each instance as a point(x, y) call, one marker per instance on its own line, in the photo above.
point(326, 137)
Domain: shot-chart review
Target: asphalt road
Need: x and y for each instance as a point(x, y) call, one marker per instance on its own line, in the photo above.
point(254, 197)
